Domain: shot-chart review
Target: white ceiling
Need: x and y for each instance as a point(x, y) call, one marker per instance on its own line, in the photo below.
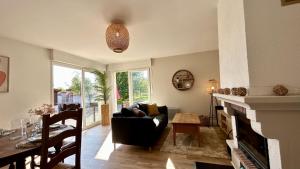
point(157, 28)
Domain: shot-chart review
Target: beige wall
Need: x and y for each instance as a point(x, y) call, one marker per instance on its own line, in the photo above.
point(203, 66)
point(273, 43)
point(63, 57)
point(30, 77)
point(29, 80)
point(232, 44)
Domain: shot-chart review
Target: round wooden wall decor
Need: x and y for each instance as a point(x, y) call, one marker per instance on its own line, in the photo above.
point(183, 80)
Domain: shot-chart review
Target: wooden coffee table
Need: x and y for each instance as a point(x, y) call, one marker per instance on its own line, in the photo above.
point(186, 123)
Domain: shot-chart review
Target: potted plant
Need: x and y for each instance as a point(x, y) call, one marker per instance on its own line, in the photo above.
point(103, 91)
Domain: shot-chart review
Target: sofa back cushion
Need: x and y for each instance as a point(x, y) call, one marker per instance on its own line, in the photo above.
point(139, 113)
point(127, 112)
point(163, 109)
point(143, 107)
point(153, 110)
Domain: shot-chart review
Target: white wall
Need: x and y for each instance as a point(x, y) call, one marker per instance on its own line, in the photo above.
point(203, 66)
point(232, 44)
point(273, 43)
point(259, 45)
point(29, 80)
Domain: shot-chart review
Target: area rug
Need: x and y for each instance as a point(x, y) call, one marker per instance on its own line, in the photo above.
point(201, 165)
point(212, 143)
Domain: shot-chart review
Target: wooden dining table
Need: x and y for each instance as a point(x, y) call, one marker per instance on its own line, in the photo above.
point(10, 154)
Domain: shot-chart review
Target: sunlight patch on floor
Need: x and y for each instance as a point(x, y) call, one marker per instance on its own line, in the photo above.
point(107, 148)
point(170, 164)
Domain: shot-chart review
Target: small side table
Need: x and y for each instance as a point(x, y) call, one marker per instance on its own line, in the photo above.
point(186, 123)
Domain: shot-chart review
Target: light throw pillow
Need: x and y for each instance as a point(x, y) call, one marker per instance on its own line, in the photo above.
point(153, 110)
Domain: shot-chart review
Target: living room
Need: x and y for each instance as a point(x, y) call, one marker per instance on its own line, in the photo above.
point(194, 71)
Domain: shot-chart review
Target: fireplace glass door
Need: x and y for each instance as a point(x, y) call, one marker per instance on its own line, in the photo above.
point(251, 143)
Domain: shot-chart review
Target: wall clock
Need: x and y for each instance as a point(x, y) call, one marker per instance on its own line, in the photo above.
point(183, 80)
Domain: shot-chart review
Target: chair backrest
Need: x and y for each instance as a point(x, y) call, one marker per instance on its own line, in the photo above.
point(69, 107)
point(66, 107)
point(48, 142)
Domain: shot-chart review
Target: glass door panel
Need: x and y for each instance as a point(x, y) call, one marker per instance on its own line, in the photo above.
point(121, 90)
point(140, 86)
point(66, 87)
point(131, 87)
point(92, 111)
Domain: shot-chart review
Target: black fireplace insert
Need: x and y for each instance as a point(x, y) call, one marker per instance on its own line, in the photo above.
point(254, 146)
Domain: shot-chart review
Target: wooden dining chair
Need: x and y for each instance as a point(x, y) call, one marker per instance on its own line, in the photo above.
point(72, 148)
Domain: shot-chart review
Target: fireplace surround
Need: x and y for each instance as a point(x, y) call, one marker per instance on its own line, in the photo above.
point(253, 145)
point(275, 118)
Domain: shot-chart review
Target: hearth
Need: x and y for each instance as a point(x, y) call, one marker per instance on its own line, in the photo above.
point(253, 145)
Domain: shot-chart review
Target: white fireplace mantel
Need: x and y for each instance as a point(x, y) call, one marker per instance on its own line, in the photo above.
point(276, 118)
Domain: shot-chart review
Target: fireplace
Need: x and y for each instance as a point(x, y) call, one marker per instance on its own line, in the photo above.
point(253, 145)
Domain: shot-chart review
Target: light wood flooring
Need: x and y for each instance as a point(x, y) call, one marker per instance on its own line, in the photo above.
point(98, 153)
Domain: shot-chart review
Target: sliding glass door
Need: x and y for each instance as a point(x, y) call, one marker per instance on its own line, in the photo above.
point(140, 83)
point(121, 90)
point(75, 86)
point(66, 86)
point(92, 112)
point(131, 87)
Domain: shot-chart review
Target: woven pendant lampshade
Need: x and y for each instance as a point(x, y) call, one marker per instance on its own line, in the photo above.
point(117, 37)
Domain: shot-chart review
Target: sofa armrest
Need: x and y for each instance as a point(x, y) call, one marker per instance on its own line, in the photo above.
point(163, 110)
point(118, 114)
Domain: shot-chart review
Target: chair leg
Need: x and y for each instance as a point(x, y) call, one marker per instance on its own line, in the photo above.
point(77, 161)
point(11, 166)
point(32, 162)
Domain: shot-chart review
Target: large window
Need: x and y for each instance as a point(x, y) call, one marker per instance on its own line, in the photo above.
point(131, 87)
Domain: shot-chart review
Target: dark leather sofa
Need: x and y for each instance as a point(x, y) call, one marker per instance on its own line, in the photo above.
point(141, 131)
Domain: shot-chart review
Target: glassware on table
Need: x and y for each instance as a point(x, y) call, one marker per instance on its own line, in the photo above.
point(23, 127)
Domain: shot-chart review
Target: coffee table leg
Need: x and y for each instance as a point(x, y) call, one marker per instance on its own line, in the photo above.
point(198, 135)
point(174, 135)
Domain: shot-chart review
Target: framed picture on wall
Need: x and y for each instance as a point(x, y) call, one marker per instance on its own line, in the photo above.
point(4, 74)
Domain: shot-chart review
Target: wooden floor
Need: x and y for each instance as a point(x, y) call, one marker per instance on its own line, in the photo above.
point(98, 153)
